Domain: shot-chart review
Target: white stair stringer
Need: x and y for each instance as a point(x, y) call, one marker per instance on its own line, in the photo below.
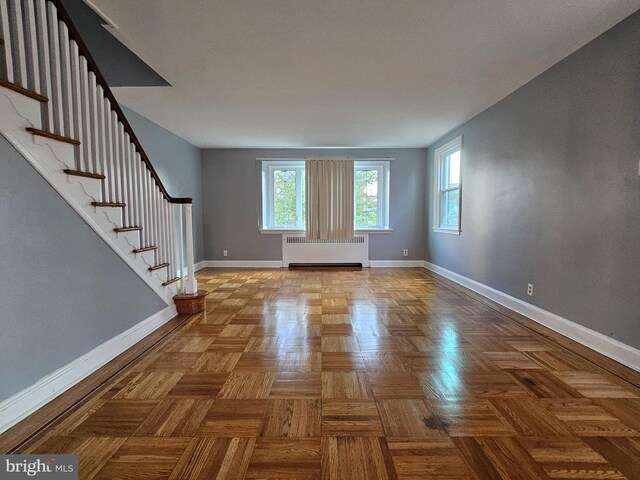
point(50, 157)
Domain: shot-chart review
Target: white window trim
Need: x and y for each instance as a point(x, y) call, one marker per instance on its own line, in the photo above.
point(439, 154)
point(384, 176)
point(268, 168)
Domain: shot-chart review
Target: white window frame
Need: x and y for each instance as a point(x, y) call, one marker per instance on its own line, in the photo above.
point(268, 203)
point(382, 166)
point(438, 163)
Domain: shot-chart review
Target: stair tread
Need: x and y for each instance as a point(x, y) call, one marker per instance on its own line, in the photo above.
point(53, 136)
point(80, 173)
point(127, 229)
point(144, 249)
point(158, 267)
point(108, 204)
point(170, 281)
point(23, 91)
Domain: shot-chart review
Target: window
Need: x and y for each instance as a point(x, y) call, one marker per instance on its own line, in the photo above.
point(283, 198)
point(447, 187)
point(283, 195)
point(371, 192)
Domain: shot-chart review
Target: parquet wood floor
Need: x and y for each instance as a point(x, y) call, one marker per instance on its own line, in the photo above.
point(373, 374)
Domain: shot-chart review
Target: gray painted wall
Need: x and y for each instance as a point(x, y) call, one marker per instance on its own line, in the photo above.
point(65, 291)
point(229, 183)
point(178, 165)
point(119, 65)
point(551, 192)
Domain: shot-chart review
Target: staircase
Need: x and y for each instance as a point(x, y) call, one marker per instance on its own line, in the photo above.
point(59, 113)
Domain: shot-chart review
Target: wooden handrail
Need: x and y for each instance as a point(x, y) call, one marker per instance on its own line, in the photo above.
point(115, 106)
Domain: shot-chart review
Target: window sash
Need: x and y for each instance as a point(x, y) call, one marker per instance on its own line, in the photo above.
point(442, 187)
point(268, 207)
point(382, 168)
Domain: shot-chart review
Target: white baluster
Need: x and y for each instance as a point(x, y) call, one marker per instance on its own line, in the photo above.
point(33, 62)
point(45, 63)
point(8, 41)
point(181, 248)
point(152, 220)
point(115, 164)
point(191, 286)
point(85, 113)
point(146, 225)
point(19, 51)
point(56, 73)
point(172, 241)
point(163, 231)
point(76, 105)
point(140, 170)
point(100, 145)
point(93, 122)
point(102, 135)
point(67, 97)
point(135, 197)
point(123, 170)
point(108, 145)
point(158, 239)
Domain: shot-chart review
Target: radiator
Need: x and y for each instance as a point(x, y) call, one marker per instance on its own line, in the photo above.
point(297, 249)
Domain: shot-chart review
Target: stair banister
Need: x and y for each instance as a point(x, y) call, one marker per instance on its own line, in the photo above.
point(46, 58)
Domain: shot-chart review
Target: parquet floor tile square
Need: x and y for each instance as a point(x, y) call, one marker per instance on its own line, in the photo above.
point(422, 458)
point(285, 458)
point(350, 418)
point(356, 458)
point(292, 418)
point(296, 385)
point(198, 385)
point(116, 418)
point(231, 418)
point(133, 457)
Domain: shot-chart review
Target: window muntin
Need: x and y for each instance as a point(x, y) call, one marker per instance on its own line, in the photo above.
point(284, 200)
point(447, 186)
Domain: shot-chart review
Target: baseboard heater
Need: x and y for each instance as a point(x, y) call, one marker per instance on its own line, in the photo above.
point(300, 252)
point(325, 266)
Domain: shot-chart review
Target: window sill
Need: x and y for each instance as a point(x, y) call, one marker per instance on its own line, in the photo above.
point(447, 230)
point(279, 231)
point(374, 230)
point(282, 231)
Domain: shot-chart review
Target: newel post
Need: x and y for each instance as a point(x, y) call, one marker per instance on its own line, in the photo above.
point(191, 285)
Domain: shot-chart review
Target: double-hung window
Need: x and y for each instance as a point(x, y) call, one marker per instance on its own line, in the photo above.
point(283, 188)
point(447, 189)
point(283, 195)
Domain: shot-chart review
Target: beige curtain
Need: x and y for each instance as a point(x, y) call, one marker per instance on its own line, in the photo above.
point(329, 192)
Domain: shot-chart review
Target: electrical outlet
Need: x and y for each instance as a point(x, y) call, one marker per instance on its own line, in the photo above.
point(530, 289)
point(405, 252)
point(224, 253)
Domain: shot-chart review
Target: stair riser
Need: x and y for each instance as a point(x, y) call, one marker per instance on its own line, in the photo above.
point(14, 104)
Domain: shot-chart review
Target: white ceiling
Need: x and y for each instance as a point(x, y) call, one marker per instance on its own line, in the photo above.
point(348, 73)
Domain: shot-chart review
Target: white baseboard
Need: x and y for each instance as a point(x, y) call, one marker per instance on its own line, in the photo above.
point(27, 401)
point(242, 264)
point(608, 346)
point(395, 263)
